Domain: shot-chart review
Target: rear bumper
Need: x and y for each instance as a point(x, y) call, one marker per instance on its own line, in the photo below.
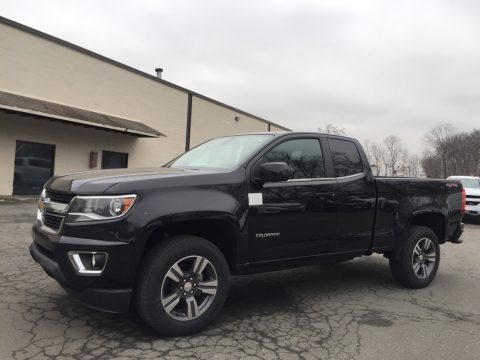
point(88, 290)
point(457, 234)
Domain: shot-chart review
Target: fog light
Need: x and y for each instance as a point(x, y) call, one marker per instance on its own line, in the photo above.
point(88, 262)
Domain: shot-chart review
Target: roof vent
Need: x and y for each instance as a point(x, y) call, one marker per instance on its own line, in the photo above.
point(159, 72)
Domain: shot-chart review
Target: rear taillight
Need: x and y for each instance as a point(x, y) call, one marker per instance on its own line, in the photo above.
point(464, 202)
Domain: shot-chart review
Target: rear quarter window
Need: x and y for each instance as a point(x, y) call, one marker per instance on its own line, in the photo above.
point(346, 158)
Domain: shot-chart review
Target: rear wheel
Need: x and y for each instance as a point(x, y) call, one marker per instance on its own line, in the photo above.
point(183, 285)
point(416, 263)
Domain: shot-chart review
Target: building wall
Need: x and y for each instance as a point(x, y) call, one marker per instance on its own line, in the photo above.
point(274, 128)
point(36, 67)
point(72, 144)
point(210, 120)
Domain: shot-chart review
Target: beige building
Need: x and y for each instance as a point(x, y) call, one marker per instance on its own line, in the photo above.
point(64, 108)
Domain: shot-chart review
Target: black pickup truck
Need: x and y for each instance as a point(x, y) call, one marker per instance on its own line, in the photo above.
point(165, 240)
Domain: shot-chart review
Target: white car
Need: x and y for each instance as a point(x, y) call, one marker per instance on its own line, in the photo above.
point(471, 184)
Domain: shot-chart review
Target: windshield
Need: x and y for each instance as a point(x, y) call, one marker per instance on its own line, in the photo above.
point(222, 153)
point(470, 183)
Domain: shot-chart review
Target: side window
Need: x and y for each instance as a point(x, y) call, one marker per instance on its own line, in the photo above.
point(346, 158)
point(304, 156)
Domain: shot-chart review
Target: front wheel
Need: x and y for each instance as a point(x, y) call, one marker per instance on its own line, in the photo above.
point(183, 285)
point(416, 263)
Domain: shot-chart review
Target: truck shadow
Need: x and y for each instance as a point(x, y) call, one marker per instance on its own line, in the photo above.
point(257, 295)
point(279, 291)
point(295, 299)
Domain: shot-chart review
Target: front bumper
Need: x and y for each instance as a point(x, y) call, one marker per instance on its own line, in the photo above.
point(472, 210)
point(111, 291)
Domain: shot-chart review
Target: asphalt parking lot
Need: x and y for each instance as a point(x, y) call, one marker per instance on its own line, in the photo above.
point(351, 310)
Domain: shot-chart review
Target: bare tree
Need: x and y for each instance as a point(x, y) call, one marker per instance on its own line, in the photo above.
point(413, 166)
point(393, 153)
point(332, 129)
point(431, 165)
point(403, 163)
point(439, 142)
point(446, 152)
point(474, 142)
point(376, 157)
point(367, 147)
point(451, 153)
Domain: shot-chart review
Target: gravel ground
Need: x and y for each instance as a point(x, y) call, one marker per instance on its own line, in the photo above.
point(352, 310)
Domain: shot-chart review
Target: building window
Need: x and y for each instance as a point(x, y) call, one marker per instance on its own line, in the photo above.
point(114, 160)
point(33, 167)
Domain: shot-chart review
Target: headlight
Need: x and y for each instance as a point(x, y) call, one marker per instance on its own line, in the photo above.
point(41, 201)
point(88, 208)
point(41, 207)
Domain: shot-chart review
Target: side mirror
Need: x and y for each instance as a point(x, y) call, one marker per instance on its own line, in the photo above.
point(274, 172)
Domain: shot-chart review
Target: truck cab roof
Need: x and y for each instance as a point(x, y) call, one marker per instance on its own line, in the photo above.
point(285, 133)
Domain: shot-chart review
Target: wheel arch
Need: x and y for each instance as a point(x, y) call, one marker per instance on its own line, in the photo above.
point(223, 231)
point(434, 220)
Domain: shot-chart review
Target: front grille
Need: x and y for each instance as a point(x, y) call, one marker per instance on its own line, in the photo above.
point(52, 221)
point(59, 196)
point(473, 196)
point(472, 203)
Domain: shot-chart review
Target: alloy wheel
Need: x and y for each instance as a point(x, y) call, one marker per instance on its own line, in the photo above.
point(424, 257)
point(189, 287)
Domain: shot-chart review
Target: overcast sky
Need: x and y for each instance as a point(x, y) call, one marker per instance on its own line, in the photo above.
point(373, 67)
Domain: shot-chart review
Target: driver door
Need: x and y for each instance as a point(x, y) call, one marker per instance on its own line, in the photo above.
point(298, 217)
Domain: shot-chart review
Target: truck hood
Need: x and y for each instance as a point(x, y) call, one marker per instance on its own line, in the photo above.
point(98, 181)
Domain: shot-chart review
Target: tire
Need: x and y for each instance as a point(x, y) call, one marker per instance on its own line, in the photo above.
point(416, 263)
point(171, 272)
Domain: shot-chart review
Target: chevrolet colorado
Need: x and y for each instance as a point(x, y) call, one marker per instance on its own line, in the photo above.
point(165, 240)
